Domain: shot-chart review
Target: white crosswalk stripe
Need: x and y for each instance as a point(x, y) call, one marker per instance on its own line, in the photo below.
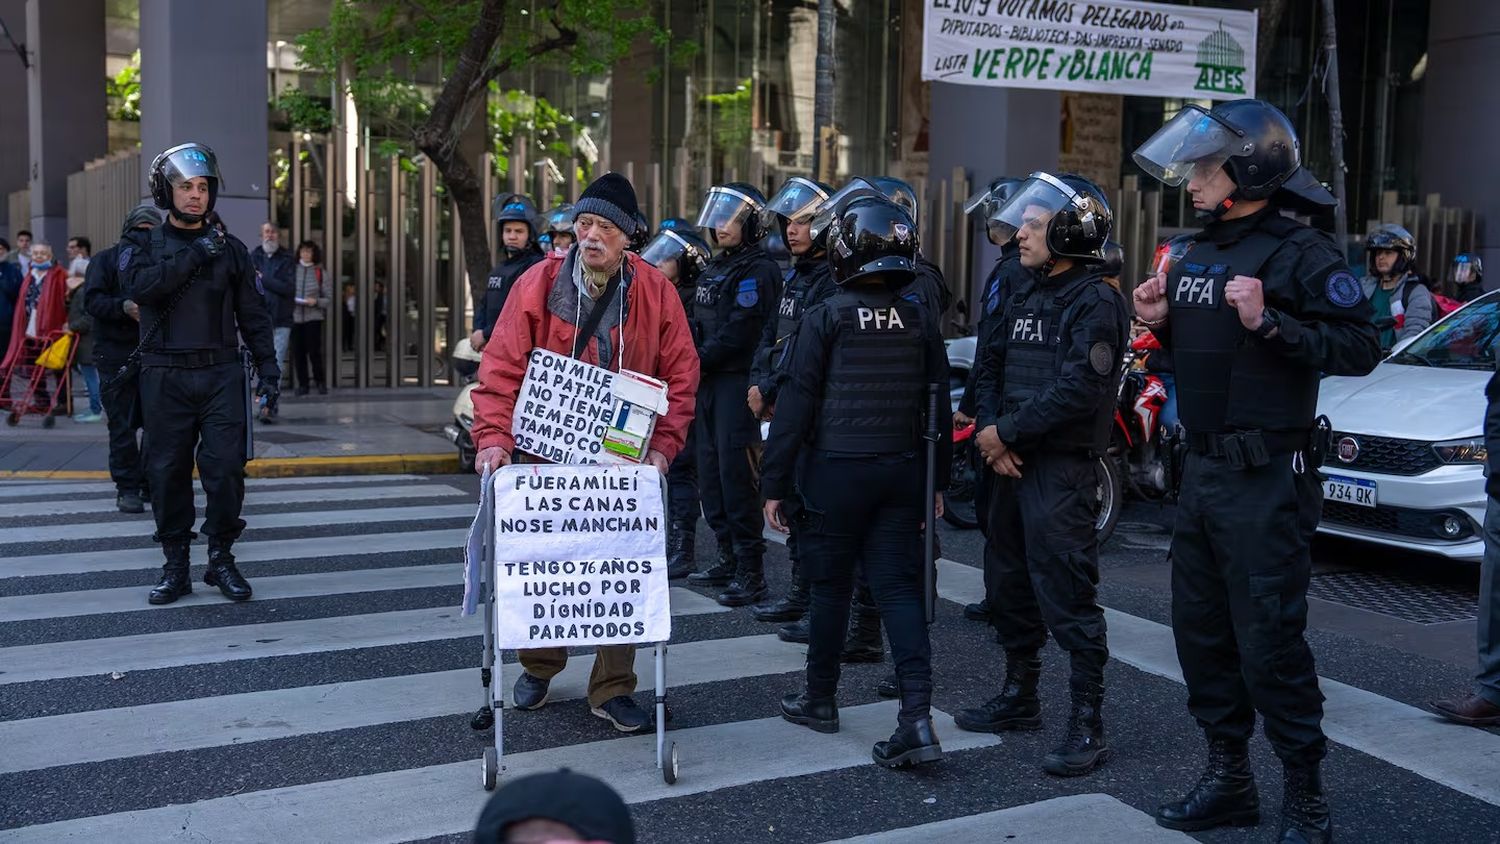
point(96, 685)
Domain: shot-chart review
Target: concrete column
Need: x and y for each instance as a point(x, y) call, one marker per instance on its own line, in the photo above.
point(14, 144)
point(65, 105)
point(203, 78)
point(991, 132)
point(1461, 109)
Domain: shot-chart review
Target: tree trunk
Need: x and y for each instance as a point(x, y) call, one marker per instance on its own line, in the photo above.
point(1335, 123)
point(1265, 30)
point(464, 185)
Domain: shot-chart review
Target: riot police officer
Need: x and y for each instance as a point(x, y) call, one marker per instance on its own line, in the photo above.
point(557, 230)
point(1045, 399)
point(790, 212)
point(117, 332)
point(1006, 276)
point(861, 373)
point(681, 255)
point(730, 306)
point(519, 250)
point(195, 287)
point(1254, 314)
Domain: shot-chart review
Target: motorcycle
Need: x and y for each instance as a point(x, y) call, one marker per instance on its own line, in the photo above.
point(1138, 443)
point(466, 367)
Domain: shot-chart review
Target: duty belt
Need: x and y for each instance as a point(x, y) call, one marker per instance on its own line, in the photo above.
point(194, 359)
point(1247, 448)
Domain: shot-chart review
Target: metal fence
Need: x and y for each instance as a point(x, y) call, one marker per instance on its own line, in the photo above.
point(101, 195)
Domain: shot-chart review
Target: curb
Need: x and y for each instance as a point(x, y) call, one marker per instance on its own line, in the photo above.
point(291, 467)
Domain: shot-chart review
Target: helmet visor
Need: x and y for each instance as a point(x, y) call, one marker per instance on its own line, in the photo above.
point(797, 200)
point(1192, 140)
point(1031, 207)
point(823, 215)
point(666, 246)
point(188, 161)
point(724, 207)
point(979, 203)
point(1464, 270)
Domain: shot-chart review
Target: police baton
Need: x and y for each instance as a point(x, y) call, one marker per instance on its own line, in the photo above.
point(929, 535)
point(249, 366)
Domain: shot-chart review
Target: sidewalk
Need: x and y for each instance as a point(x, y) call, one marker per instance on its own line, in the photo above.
point(347, 432)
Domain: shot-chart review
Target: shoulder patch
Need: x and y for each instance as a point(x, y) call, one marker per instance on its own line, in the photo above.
point(1102, 358)
point(125, 256)
point(1343, 289)
point(748, 294)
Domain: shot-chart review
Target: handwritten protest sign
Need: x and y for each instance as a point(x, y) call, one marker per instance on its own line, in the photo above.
point(1119, 47)
point(580, 556)
point(569, 411)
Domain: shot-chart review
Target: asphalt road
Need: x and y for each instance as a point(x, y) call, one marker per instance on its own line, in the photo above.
point(337, 702)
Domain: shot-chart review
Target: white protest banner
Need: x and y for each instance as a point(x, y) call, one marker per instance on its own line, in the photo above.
point(580, 556)
point(1119, 47)
point(569, 411)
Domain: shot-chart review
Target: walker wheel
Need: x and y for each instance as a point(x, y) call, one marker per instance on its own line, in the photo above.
point(491, 768)
point(669, 770)
point(483, 719)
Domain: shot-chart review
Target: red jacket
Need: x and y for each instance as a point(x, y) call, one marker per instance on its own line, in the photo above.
point(51, 311)
point(658, 343)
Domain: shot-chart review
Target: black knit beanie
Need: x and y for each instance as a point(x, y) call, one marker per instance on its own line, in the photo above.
point(611, 197)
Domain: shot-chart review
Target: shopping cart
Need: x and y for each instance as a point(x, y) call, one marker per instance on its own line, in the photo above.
point(23, 386)
point(480, 576)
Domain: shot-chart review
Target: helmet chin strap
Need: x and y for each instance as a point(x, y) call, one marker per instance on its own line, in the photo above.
point(1218, 211)
point(190, 219)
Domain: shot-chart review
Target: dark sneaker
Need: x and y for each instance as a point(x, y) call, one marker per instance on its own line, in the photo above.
point(129, 502)
point(530, 692)
point(622, 712)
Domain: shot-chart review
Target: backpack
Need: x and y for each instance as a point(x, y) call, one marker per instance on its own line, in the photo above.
point(1441, 305)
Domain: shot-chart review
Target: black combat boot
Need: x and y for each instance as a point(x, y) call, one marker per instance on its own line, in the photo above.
point(864, 643)
point(1084, 749)
point(223, 574)
point(720, 573)
point(130, 501)
point(680, 547)
point(798, 632)
point(175, 581)
point(1224, 796)
point(791, 606)
point(1304, 808)
point(911, 744)
point(818, 714)
point(749, 583)
point(1016, 707)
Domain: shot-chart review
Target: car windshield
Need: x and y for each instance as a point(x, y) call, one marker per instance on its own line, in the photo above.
point(1465, 340)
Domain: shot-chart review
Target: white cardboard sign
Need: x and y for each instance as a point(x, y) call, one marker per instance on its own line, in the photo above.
point(580, 556)
point(570, 412)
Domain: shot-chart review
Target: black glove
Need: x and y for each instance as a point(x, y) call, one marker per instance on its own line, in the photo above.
point(270, 383)
point(210, 245)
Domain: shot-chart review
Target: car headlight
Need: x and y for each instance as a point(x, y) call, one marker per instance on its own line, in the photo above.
point(1461, 451)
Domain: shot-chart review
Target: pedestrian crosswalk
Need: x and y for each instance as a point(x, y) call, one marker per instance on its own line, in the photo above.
point(336, 704)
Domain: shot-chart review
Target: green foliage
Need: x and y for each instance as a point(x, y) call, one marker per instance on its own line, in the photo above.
point(123, 91)
point(548, 131)
point(731, 117)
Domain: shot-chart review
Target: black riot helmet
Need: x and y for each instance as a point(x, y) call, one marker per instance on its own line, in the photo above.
point(1390, 237)
point(179, 164)
point(824, 213)
point(1114, 260)
point(559, 220)
point(685, 246)
point(1078, 217)
point(898, 192)
point(516, 208)
point(797, 201)
point(1251, 139)
point(987, 201)
point(642, 234)
point(869, 235)
point(677, 224)
point(735, 202)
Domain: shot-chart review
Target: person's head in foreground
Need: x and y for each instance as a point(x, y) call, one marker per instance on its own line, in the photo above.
point(555, 807)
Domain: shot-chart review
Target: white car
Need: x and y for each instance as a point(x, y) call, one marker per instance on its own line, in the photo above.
point(1407, 465)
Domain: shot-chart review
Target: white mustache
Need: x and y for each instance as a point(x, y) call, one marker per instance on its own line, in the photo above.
point(593, 245)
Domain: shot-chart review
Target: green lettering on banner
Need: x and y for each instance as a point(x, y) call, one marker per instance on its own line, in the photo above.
point(1013, 62)
point(1033, 59)
point(1046, 58)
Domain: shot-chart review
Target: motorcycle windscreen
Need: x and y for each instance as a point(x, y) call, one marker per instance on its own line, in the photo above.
point(1192, 139)
point(1031, 207)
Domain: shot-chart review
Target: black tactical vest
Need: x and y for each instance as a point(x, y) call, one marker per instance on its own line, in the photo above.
point(796, 296)
point(204, 318)
point(873, 395)
point(1219, 368)
point(1035, 323)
